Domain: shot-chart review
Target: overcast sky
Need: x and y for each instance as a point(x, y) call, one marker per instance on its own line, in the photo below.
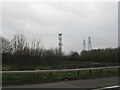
point(75, 20)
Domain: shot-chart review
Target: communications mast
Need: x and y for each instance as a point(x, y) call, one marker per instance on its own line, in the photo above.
point(60, 43)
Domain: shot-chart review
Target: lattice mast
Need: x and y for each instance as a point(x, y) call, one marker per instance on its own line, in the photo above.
point(84, 45)
point(89, 44)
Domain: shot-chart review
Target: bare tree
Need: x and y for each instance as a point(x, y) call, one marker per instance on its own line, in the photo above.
point(0, 44)
point(5, 45)
point(48, 52)
point(36, 47)
point(56, 51)
point(18, 43)
point(26, 49)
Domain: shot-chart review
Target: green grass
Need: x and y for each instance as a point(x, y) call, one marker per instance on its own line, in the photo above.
point(57, 76)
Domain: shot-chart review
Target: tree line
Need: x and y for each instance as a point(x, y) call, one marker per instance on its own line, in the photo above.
point(21, 52)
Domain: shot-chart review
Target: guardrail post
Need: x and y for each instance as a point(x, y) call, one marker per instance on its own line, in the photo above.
point(100, 71)
point(35, 75)
point(50, 74)
point(90, 71)
point(78, 73)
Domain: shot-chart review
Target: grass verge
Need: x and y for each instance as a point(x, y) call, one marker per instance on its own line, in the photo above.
point(56, 76)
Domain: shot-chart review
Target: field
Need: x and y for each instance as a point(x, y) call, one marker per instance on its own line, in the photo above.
point(62, 65)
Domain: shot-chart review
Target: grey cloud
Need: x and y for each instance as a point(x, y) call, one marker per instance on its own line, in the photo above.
point(76, 21)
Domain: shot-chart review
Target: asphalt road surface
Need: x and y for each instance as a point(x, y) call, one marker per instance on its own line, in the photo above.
point(86, 83)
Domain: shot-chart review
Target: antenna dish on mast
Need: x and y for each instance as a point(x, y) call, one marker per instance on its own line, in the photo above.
point(60, 34)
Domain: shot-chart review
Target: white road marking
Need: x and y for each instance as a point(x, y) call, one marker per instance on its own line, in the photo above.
point(110, 87)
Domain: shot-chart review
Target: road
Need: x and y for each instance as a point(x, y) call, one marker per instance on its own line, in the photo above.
point(86, 83)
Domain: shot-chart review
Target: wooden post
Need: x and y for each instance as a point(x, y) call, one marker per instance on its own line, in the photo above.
point(100, 71)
